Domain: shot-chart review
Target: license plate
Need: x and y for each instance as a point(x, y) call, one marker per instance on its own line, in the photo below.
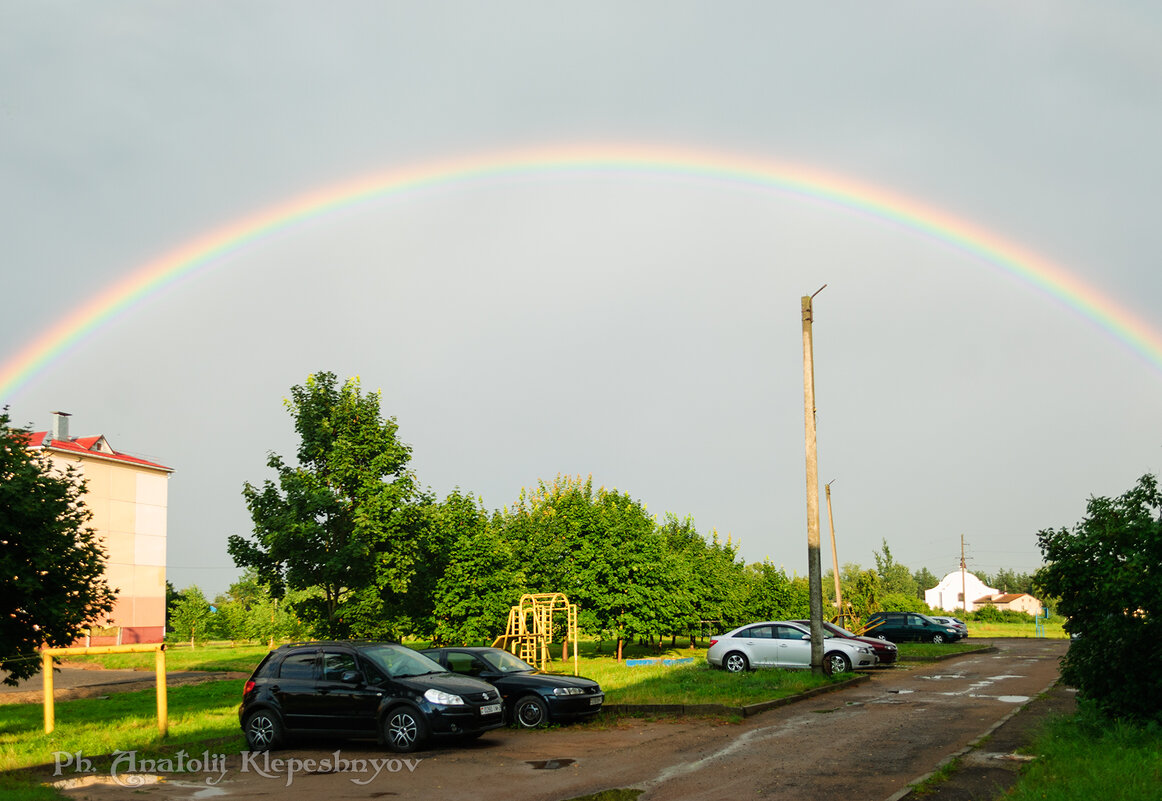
point(595, 700)
point(491, 709)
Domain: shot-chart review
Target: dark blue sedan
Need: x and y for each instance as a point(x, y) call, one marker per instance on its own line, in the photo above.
point(532, 698)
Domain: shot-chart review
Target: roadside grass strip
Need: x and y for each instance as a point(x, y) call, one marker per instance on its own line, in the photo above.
point(1084, 756)
point(200, 714)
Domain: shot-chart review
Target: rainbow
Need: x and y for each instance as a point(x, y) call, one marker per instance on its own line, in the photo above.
point(795, 180)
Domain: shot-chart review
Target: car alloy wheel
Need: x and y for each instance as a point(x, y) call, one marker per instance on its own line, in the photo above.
point(735, 662)
point(530, 712)
point(404, 731)
point(263, 731)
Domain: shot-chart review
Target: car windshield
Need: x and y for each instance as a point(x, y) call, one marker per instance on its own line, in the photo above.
point(507, 663)
point(840, 631)
point(400, 662)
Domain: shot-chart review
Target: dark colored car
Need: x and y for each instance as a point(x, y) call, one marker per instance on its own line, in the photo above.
point(533, 698)
point(886, 652)
point(362, 689)
point(909, 626)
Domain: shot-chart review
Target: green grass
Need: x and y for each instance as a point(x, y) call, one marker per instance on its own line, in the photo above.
point(198, 715)
point(928, 650)
point(696, 683)
point(1084, 757)
point(1054, 629)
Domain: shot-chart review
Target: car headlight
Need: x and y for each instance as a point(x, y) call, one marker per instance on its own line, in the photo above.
point(443, 698)
point(568, 691)
point(866, 649)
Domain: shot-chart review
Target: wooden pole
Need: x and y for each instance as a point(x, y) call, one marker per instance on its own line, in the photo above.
point(814, 572)
point(834, 551)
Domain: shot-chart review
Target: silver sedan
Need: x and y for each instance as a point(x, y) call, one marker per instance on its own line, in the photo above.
point(783, 644)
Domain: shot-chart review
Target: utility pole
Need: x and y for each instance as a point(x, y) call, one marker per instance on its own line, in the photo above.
point(834, 552)
point(814, 573)
point(963, 578)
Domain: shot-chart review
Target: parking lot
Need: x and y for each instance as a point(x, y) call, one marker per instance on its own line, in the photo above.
point(866, 741)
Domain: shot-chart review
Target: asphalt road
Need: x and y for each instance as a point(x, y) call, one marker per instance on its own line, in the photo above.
point(867, 742)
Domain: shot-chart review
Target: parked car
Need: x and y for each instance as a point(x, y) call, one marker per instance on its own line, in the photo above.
point(886, 653)
point(954, 622)
point(909, 626)
point(531, 697)
point(784, 644)
point(362, 689)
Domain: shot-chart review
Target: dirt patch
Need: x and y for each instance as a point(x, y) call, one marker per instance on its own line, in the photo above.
point(146, 682)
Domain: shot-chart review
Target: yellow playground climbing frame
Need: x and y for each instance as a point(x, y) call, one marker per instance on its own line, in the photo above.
point(530, 628)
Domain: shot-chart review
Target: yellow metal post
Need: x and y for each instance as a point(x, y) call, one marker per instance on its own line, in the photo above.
point(46, 668)
point(49, 710)
point(162, 700)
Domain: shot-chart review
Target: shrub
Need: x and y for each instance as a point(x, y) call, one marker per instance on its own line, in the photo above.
point(1107, 572)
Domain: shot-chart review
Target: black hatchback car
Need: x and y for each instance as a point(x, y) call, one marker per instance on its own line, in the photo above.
point(533, 698)
point(362, 689)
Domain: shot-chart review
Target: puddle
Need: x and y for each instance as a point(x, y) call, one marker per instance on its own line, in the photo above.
point(901, 692)
point(1013, 699)
point(550, 764)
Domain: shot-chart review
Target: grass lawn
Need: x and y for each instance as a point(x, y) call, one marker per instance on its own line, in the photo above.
point(198, 715)
point(1082, 757)
point(929, 650)
point(1054, 629)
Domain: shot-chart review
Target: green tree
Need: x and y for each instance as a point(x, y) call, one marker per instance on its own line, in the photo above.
point(344, 518)
point(482, 580)
point(925, 580)
point(192, 621)
point(52, 566)
point(895, 578)
point(772, 595)
point(602, 549)
point(1107, 573)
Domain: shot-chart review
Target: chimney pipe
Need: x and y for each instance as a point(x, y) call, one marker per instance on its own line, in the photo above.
point(60, 425)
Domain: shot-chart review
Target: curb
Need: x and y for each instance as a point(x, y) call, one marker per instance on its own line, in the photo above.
point(679, 710)
point(972, 746)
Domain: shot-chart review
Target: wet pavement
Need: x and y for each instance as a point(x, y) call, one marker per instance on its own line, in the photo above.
point(867, 741)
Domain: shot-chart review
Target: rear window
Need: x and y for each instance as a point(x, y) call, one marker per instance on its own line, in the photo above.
point(298, 666)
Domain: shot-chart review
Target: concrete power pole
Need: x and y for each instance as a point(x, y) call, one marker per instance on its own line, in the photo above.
point(814, 573)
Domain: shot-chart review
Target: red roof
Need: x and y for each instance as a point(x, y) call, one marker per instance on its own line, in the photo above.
point(89, 446)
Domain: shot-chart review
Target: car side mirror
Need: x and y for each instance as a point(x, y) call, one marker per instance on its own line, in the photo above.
point(350, 677)
point(805, 637)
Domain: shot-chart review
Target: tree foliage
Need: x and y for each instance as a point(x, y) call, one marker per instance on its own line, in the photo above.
point(52, 566)
point(344, 518)
point(1107, 573)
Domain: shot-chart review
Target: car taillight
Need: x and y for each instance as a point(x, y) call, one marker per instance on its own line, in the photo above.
point(248, 687)
point(713, 642)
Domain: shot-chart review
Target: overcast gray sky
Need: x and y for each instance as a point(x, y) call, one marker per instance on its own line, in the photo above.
point(630, 324)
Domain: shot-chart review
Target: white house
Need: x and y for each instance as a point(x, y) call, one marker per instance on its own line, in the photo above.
point(950, 593)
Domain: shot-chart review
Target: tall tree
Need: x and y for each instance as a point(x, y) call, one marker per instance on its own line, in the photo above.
point(925, 580)
point(895, 578)
point(343, 518)
point(1107, 573)
point(482, 579)
point(52, 566)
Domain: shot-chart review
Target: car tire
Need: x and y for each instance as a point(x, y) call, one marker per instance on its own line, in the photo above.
point(263, 730)
point(530, 712)
point(883, 637)
point(404, 730)
point(735, 662)
point(835, 662)
point(937, 638)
